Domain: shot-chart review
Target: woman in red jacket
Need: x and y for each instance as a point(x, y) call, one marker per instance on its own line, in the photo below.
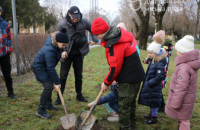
point(125, 68)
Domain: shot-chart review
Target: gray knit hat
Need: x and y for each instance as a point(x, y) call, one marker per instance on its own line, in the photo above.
point(0, 8)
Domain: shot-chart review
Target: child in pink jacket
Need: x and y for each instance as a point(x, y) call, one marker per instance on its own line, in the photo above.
point(183, 86)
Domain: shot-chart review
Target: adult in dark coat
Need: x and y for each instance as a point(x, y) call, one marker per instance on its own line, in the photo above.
point(75, 51)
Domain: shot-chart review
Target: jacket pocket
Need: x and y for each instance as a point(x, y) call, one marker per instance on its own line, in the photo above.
point(112, 61)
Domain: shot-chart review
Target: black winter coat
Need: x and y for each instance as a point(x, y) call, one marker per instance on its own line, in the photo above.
point(151, 91)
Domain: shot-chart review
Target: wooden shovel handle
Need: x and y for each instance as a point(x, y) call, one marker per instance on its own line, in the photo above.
point(63, 103)
point(92, 108)
point(61, 97)
point(98, 97)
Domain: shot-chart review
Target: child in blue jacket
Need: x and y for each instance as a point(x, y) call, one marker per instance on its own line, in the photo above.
point(110, 102)
point(44, 68)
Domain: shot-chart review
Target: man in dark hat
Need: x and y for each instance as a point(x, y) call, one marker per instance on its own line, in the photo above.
point(75, 51)
point(5, 51)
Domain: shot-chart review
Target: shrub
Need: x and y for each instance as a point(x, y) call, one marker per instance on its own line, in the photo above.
point(29, 46)
point(197, 42)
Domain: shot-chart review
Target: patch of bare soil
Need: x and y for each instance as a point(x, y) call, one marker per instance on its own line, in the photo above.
point(95, 127)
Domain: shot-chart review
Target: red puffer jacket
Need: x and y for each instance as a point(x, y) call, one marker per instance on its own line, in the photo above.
point(123, 59)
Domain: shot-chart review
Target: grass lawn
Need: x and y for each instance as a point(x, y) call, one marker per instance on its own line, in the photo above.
point(19, 114)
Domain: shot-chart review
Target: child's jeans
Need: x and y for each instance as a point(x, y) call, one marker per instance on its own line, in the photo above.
point(114, 105)
point(108, 108)
point(154, 111)
point(184, 124)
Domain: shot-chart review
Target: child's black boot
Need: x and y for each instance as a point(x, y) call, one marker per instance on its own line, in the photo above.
point(42, 113)
point(148, 116)
point(152, 120)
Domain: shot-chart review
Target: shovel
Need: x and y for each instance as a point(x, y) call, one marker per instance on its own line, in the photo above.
point(68, 121)
point(85, 120)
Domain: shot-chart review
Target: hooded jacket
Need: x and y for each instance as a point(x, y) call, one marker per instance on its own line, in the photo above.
point(46, 60)
point(183, 86)
point(168, 47)
point(151, 92)
point(81, 26)
point(5, 38)
point(122, 57)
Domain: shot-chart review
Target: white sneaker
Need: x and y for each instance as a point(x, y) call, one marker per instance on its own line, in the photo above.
point(114, 114)
point(113, 118)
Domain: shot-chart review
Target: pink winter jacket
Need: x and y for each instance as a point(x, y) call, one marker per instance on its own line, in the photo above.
point(183, 86)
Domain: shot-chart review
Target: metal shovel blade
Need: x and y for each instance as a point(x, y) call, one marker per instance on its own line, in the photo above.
point(89, 122)
point(65, 124)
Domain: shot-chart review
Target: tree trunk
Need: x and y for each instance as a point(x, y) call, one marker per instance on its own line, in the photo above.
point(160, 26)
point(173, 36)
point(34, 27)
point(18, 27)
point(197, 23)
point(187, 29)
point(144, 32)
point(159, 15)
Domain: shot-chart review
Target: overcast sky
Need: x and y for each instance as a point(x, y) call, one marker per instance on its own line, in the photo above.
point(107, 5)
point(110, 6)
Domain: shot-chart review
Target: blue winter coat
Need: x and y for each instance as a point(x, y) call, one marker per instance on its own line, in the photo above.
point(151, 92)
point(45, 62)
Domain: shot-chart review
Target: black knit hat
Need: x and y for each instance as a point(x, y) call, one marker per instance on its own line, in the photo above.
point(62, 36)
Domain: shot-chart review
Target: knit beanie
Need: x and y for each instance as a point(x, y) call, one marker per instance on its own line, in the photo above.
point(186, 44)
point(0, 8)
point(159, 33)
point(62, 36)
point(99, 26)
point(156, 45)
point(122, 25)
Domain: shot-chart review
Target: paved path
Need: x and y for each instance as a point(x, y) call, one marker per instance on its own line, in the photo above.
point(94, 46)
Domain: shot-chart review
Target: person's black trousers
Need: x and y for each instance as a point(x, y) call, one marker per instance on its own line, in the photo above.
point(6, 70)
point(77, 62)
point(163, 102)
point(45, 98)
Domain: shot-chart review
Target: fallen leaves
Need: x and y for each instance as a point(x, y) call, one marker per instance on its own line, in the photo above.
point(14, 102)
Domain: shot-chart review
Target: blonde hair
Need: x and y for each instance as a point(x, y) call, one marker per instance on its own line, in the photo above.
point(53, 38)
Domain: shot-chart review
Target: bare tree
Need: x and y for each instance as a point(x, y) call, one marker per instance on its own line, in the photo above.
point(158, 12)
point(141, 27)
point(197, 21)
point(172, 21)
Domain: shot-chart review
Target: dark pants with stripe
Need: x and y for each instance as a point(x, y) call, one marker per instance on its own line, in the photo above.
point(6, 70)
point(127, 104)
point(77, 62)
